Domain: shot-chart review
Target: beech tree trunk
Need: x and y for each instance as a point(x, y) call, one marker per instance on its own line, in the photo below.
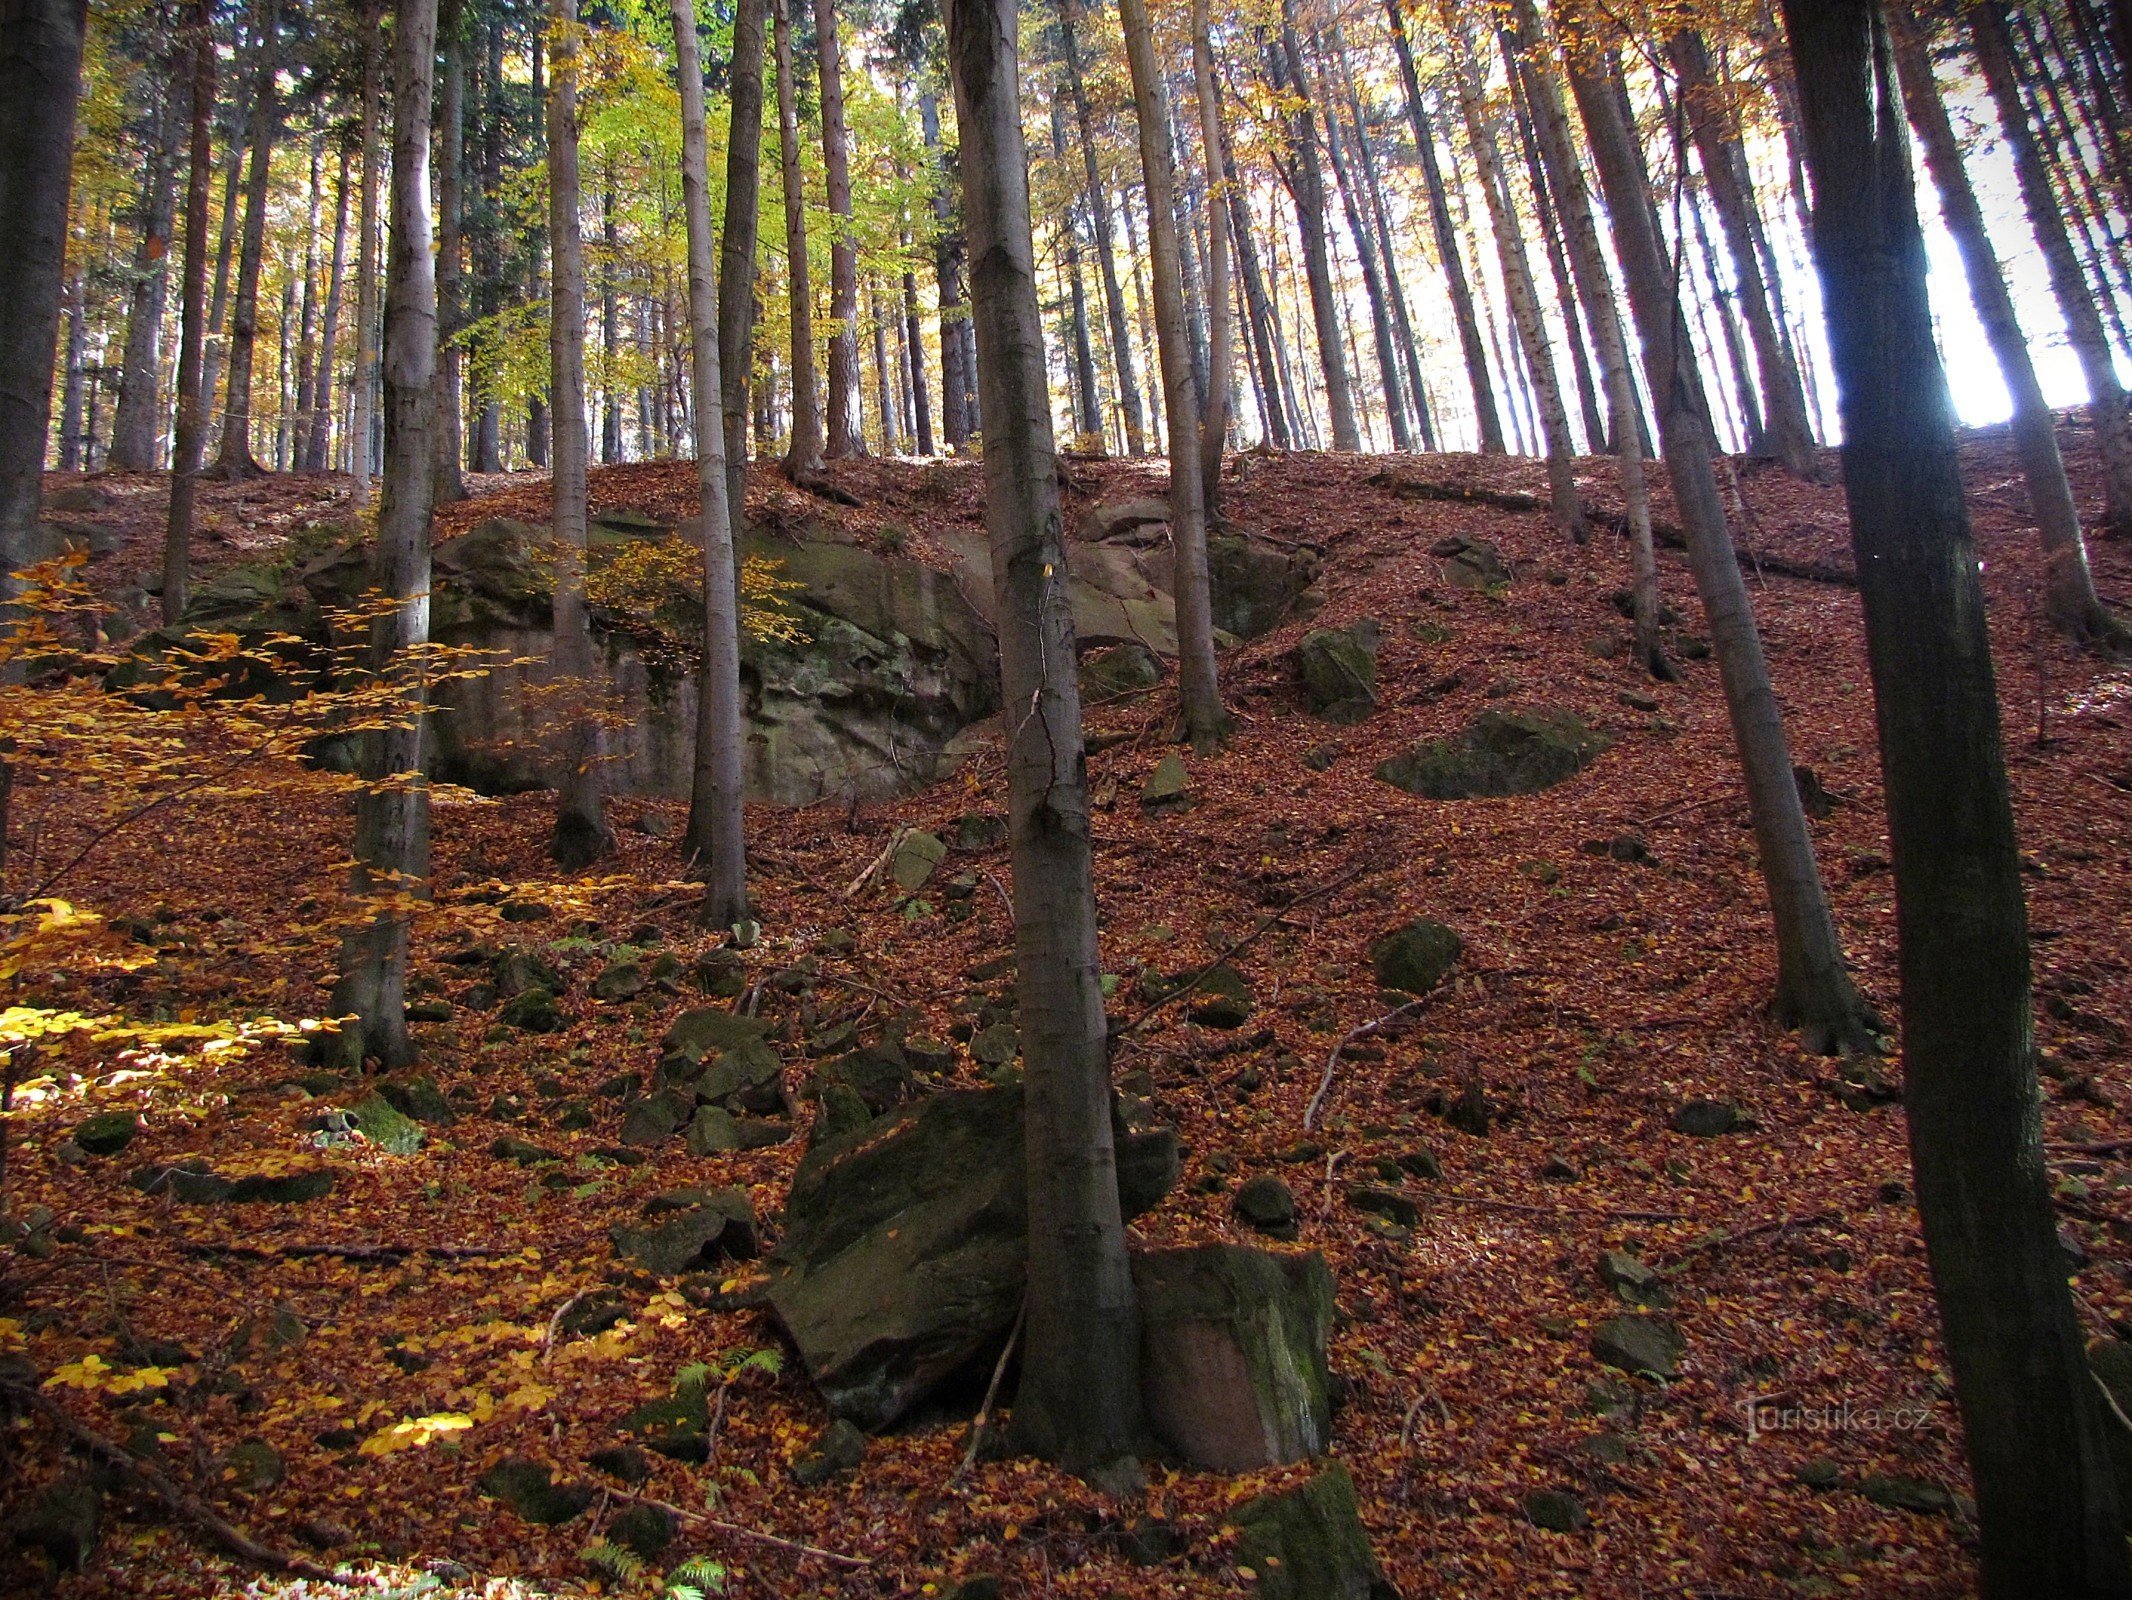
point(803, 456)
point(1307, 188)
point(136, 430)
point(844, 436)
point(392, 810)
point(1079, 1401)
point(190, 437)
point(451, 204)
point(1448, 251)
point(957, 382)
point(318, 441)
point(1098, 197)
point(1388, 244)
point(2047, 1508)
point(235, 459)
point(581, 835)
point(2071, 598)
point(307, 326)
point(1205, 721)
point(1525, 314)
point(366, 262)
point(914, 359)
point(2083, 323)
point(736, 266)
point(717, 839)
point(1214, 423)
point(1088, 403)
point(1814, 992)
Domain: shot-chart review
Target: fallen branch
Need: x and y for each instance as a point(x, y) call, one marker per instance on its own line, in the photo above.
point(555, 1323)
point(874, 866)
point(835, 1558)
point(227, 1534)
point(984, 1409)
point(1611, 1213)
point(1723, 1237)
point(347, 1252)
point(2090, 1147)
point(1354, 1036)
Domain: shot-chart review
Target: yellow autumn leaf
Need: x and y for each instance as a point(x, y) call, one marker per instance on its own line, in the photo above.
point(412, 1433)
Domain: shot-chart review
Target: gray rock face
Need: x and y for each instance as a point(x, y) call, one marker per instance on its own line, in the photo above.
point(1339, 671)
point(1471, 563)
point(690, 1228)
point(1232, 1352)
point(1414, 958)
point(1268, 1205)
point(904, 1246)
point(1118, 670)
point(1309, 1543)
point(1498, 753)
point(1640, 1344)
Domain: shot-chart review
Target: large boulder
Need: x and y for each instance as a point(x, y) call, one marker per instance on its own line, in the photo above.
point(1471, 563)
point(1232, 1351)
point(1309, 1543)
point(1414, 957)
point(1339, 671)
point(1498, 753)
point(905, 1242)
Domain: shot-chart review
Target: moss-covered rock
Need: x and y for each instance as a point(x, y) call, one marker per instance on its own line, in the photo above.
point(1339, 671)
point(1498, 753)
point(1416, 957)
point(1309, 1543)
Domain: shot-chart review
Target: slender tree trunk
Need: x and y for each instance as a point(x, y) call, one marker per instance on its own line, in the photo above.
point(1097, 194)
point(190, 437)
point(487, 176)
point(1088, 402)
point(2048, 1510)
point(319, 439)
point(957, 382)
point(1205, 720)
point(1381, 221)
point(1214, 422)
point(803, 457)
point(364, 383)
point(226, 247)
point(392, 810)
point(1788, 431)
point(736, 270)
point(1079, 1402)
point(2084, 330)
point(307, 327)
point(718, 841)
point(913, 343)
point(581, 835)
point(1525, 314)
point(235, 460)
point(843, 435)
point(2073, 603)
point(1546, 209)
point(451, 208)
point(610, 336)
point(1308, 192)
point(1448, 251)
point(71, 362)
point(136, 444)
point(1258, 306)
point(1814, 992)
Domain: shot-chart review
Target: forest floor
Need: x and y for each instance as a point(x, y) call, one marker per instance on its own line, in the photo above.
point(1595, 996)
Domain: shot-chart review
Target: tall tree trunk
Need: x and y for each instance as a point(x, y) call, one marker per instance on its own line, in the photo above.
point(1097, 194)
point(1205, 721)
point(1788, 431)
point(1557, 146)
point(1448, 250)
point(2083, 323)
point(2073, 603)
point(71, 365)
point(1308, 191)
point(190, 437)
point(718, 841)
point(226, 247)
point(40, 82)
point(451, 209)
point(235, 459)
point(540, 430)
point(1079, 1402)
point(1381, 221)
point(136, 443)
point(319, 440)
point(914, 346)
point(2047, 1508)
point(1258, 307)
point(736, 268)
point(843, 434)
point(1547, 211)
point(803, 456)
point(957, 382)
point(1088, 413)
point(392, 809)
point(1814, 992)
point(487, 179)
point(366, 261)
point(1525, 313)
point(1214, 422)
point(307, 327)
point(581, 835)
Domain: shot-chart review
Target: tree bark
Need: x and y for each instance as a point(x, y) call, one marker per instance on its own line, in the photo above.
point(190, 437)
point(1088, 404)
point(957, 382)
point(451, 207)
point(736, 266)
point(1098, 197)
point(392, 810)
point(318, 440)
point(2084, 330)
point(581, 835)
point(307, 327)
point(843, 434)
point(136, 444)
point(366, 263)
point(1448, 251)
point(803, 456)
point(1381, 219)
point(717, 838)
point(1814, 992)
point(914, 346)
point(235, 459)
point(1308, 191)
point(1205, 720)
point(1214, 423)
point(1079, 1402)
point(2047, 1508)
point(2071, 599)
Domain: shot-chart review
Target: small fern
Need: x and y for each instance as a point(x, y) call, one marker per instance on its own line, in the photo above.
point(694, 1579)
point(617, 1562)
point(692, 1382)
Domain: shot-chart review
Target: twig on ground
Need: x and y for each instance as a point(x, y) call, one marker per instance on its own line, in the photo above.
point(347, 1252)
point(875, 866)
point(799, 1547)
point(1332, 1061)
point(1724, 1236)
point(1616, 1214)
point(984, 1409)
point(555, 1323)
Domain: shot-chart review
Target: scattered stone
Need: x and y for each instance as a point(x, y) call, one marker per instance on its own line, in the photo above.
point(759, 1133)
point(645, 1529)
point(1637, 700)
point(1339, 671)
point(1309, 1543)
point(419, 1097)
point(656, 1117)
point(620, 980)
point(253, 1466)
point(721, 974)
point(717, 1225)
point(1820, 1474)
point(594, 1314)
point(1629, 1278)
point(1556, 1511)
point(107, 1133)
point(530, 1489)
point(1419, 1163)
point(516, 970)
point(1115, 518)
point(385, 1126)
point(927, 1054)
point(1120, 669)
point(1560, 1169)
point(1414, 959)
point(1221, 998)
point(983, 1586)
point(1498, 753)
point(508, 1147)
point(916, 854)
point(624, 1463)
point(1320, 757)
point(880, 1075)
point(63, 1523)
point(1471, 563)
point(997, 1045)
point(1233, 1369)
point(980, 830)
point(524, 911)
point(1640, 1344)
point(1268, 1205)
point(1817, 802)
point(532, 1012)
point(840, 1111)
point(1168, 787)
point(1706, 1119)
point(1387, 1203)
point(840, 1449)
point(1907, 1494)
point(709, 1031)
